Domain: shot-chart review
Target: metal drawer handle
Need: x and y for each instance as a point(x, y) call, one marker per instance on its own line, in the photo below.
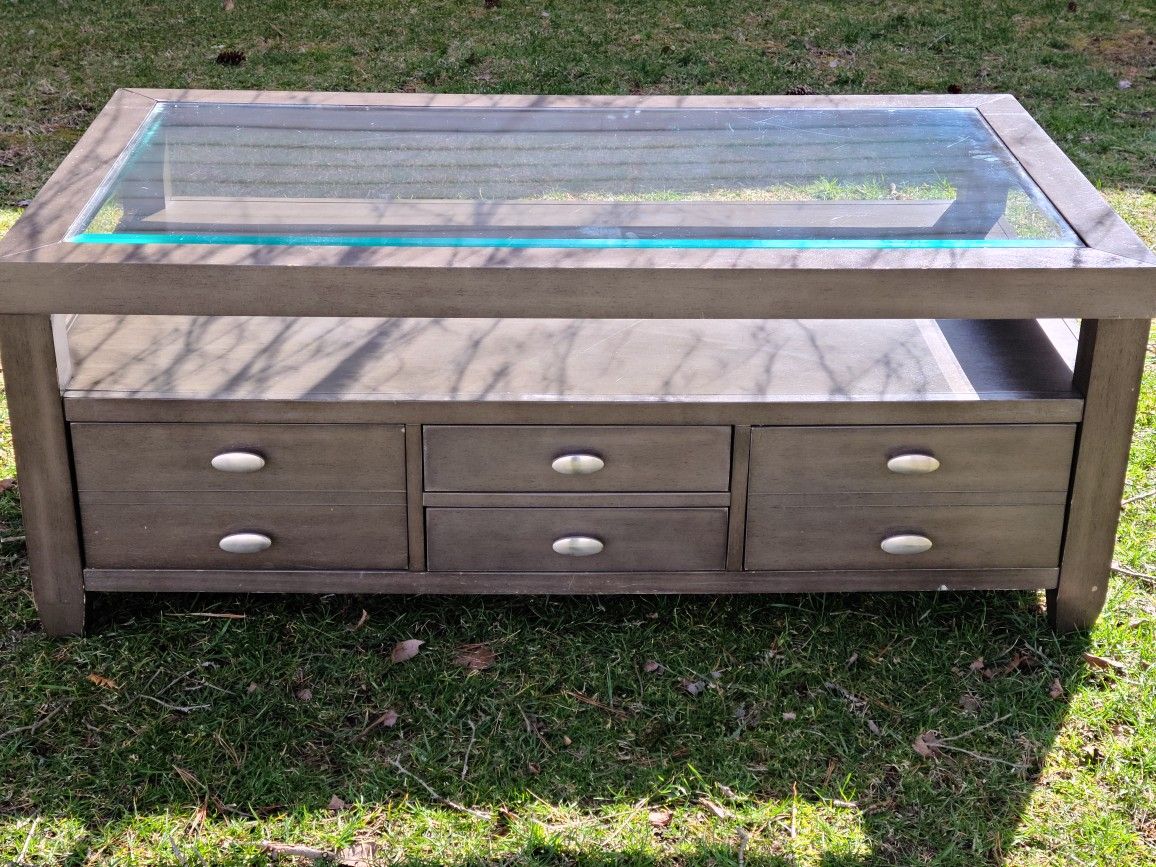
point(238, 462)
point(913, 464)
point(908, 543)
point(578, 546)
point(245, 543)
point(577, 464)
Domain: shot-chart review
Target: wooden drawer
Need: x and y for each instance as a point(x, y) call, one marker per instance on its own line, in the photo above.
point(1009, 457)
point(298, 457)
point(520, 458)
point(521, 540)
point(155, 536)
point(849, 537)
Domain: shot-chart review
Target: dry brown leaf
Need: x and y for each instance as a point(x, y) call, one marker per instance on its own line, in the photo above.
point(1105, 663)
point(566, 740)
point(7, 484)
point(304, 694)
point(362, 854)
point(694, 687)
point(534, 768)
point(789, 716)
point(652, 667)
point(475, 657)
point(228, 5)
point(928, 744)
point(659, 818)
point(873, 727)
point(970, 703)
point(103, 682)
point(386, 720)
point(719, 812)
point(406, 650)
point(294, 850)
point(977, 664)
point(1056, 690)
point(336, 805)
point(361, 621)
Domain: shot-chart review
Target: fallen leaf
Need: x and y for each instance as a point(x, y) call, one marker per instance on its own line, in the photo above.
point(1124, 84)
point(294, 850)
point(1105, 663)
point(103, 682)
point(361, 621)
point(534, 768)
point(977, 665)
point(789, 716)
point(304, 694)
point(1056, 690)
point(873, 727)
point(652, 667)
point(970, 703)
point(694, 687)
point(475, 657)
point(719, 812)
point(659, 818)
point(252, 688)
point(566, 741)
point(928, 744)
point(228, 5)
point(362, 854)
point(387, 720)
point(7, 484)
point(406, 650)
point(336, 805)
point(852, 659)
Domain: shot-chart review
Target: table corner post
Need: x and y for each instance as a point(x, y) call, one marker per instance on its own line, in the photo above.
point(44, 466)
point(1109, 365)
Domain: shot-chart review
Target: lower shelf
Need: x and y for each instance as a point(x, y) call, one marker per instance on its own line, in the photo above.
point(191, 581)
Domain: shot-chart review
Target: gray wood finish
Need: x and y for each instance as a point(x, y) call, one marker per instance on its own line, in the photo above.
point(414, 483)
point(44, 471)
point(1108, 371)
point(578, 500)
point(510, 583)
point(740, 468)
point(254, 280)
point(181, 536)
point(418, 370)
point(247, 498)
point(299, 457)
point(848, 537)
point(972, 458)
point(517, 458)
point(519, 540)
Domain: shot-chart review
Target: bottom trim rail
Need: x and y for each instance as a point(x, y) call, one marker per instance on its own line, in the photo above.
point(192, 581)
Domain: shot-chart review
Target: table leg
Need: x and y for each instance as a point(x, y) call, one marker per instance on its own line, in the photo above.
point(1108, 368)
point(44, 470)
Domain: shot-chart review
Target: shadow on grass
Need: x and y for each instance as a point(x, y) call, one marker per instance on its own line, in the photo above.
point(799, 737)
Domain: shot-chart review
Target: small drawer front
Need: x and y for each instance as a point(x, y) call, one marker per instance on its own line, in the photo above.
point(205, 536)
point(524, 459)
point(239, 457)
point(908, 537)
point(897, 459)
point(575, 540)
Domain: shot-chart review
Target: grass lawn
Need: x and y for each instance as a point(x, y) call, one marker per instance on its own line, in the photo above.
point(189, 729)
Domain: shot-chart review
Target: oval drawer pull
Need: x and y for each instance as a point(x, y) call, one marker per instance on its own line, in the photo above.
point(908, 543)
point(578, 546)
point(577, 464)
point(913, 464)
point(245, 543)
point(238, 462)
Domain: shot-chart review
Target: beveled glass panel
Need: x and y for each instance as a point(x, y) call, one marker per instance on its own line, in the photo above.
point(216, 173)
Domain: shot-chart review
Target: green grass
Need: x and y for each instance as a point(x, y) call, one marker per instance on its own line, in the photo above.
point(112, 776)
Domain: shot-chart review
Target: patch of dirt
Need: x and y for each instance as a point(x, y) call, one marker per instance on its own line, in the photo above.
point(1129, 54)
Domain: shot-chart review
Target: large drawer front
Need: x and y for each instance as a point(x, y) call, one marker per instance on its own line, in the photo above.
point(850, 537)
point(523, 540)
point(153, 536)
point(296, 457)
point(970, 458)
point(521, 458)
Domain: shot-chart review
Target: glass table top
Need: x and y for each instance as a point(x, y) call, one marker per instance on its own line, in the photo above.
point(218, 173)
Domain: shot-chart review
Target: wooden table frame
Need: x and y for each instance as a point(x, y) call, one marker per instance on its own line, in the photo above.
point(1108, 284)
